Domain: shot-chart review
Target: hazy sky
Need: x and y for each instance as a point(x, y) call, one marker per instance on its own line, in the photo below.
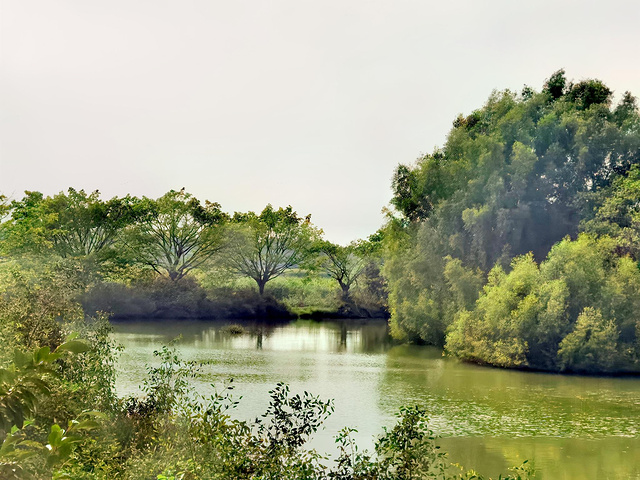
point(308, 103)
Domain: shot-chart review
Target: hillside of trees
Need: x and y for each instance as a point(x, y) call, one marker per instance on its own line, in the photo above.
point(516, 244)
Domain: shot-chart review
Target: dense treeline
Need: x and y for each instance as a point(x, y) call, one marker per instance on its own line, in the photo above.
point(485, 257)
point(177, 257)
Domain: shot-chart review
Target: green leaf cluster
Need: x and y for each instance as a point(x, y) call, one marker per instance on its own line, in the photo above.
point(576, 311)
point(514, 178)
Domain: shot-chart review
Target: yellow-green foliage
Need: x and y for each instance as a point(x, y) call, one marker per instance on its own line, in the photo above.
point(592, 345)
point(577, 311)
point(298, 291)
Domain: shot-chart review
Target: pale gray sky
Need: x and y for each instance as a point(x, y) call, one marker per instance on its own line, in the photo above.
point(308, 103)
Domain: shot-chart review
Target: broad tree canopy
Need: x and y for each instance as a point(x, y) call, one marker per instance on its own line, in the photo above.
point(343, 263)
point(72, 224)
point(176, 233)
point(263, 247)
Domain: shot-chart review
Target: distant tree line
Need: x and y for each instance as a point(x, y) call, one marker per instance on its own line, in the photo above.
point(172, 236)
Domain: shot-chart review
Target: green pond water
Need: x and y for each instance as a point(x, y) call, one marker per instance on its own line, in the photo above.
point(488, 419)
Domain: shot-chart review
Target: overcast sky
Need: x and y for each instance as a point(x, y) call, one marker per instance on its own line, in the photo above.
point(308, 103)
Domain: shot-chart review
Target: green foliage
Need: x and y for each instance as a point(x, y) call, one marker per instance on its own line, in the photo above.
point(592, 345)
point(28, 228)
point(25, 378)
point(343, 264)
point(263, 247)
point(290, 421)
point(92, 376)
point(75, 225)
point(36, 299)
point(555, 85)
point(616, 213)
point(427, 288)
point(84, 225)
point(577, 311)
point(175, 233)
point(408, 450)
point(589, 92)
point(168, 383)
point(300, 291)
point(24, 384)
point(516, 176)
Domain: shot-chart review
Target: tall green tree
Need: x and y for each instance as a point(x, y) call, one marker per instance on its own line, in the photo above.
point(72, 225)
point(176, 233)
point(343, 263)
point(263, 247)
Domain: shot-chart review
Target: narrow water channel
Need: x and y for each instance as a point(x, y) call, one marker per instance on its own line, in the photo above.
point(571, 427)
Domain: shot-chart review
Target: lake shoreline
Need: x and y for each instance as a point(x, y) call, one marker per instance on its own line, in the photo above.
point(487, 418)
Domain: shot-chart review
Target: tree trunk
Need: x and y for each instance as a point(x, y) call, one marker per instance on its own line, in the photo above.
point(261, 284)
point(345, 292)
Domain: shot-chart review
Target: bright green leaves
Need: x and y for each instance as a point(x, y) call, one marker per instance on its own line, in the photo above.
point(592, 345)
point(61, 442)
point(581, 300)
point(14, 452)
point(73, 346)
point(24, 382)
point(16, 449)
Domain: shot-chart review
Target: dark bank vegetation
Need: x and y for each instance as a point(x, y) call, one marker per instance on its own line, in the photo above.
point(516, 244)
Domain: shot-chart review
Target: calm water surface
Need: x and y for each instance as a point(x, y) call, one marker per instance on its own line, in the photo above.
point(571, 427)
